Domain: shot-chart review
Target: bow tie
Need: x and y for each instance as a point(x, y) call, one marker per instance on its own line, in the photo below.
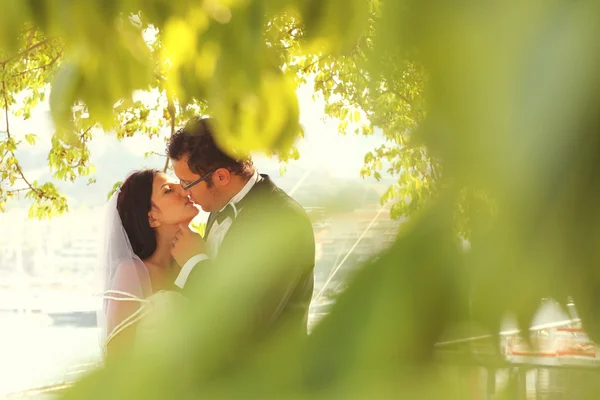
point(228, 211)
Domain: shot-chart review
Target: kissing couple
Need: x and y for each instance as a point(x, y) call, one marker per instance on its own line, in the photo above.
point(153, 263)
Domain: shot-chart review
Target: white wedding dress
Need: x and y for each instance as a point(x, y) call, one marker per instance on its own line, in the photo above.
point(158, 309)
point(154, 316)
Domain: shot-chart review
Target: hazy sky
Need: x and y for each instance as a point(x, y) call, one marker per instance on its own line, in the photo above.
point(322, 148)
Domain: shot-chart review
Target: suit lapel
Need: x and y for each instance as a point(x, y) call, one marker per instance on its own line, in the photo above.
point(209, 223)
point(258, 191)
point(263, 186)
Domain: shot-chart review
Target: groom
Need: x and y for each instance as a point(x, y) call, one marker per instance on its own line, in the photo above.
point(255, 232)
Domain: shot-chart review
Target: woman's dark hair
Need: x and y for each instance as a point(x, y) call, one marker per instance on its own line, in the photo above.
point(196, 141)
point(133, 204)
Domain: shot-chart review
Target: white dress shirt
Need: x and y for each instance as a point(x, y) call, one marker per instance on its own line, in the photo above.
point(217, 233)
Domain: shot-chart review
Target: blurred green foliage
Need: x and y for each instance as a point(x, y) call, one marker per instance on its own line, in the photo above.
point(490, 111)
point(198, 227)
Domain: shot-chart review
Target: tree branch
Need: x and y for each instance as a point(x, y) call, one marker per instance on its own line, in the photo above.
point(39, 192)
point(52, 62)
point(171, 108)
point(24, 52)
point(318, 60)
point(82, 136)
point(17, 190)
point(404, 98)
point(80, 162)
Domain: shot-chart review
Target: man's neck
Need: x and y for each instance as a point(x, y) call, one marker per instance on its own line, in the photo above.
point(239, 184)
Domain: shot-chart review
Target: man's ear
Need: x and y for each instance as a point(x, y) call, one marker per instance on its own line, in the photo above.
point(221, 177)
point(152, 220)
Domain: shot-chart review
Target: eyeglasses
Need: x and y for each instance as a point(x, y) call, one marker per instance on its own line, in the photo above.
point(188, 186)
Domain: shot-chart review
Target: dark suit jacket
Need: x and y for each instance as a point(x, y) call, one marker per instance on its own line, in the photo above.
point(271, 244)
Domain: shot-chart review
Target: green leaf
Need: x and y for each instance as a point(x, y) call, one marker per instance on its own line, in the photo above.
point(31, 138)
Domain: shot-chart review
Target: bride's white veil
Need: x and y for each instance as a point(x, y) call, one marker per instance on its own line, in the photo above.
point(126, 281)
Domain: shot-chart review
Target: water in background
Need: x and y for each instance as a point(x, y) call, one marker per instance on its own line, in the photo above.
point(48, 286)
point(35, 353)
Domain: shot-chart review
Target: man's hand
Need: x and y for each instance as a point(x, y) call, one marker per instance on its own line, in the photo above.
point(186, 244)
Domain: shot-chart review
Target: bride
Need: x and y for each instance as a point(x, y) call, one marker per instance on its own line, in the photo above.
point(139, 272)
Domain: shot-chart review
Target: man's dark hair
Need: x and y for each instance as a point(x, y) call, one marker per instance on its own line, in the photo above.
point(196, 140)
point(133, 204)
